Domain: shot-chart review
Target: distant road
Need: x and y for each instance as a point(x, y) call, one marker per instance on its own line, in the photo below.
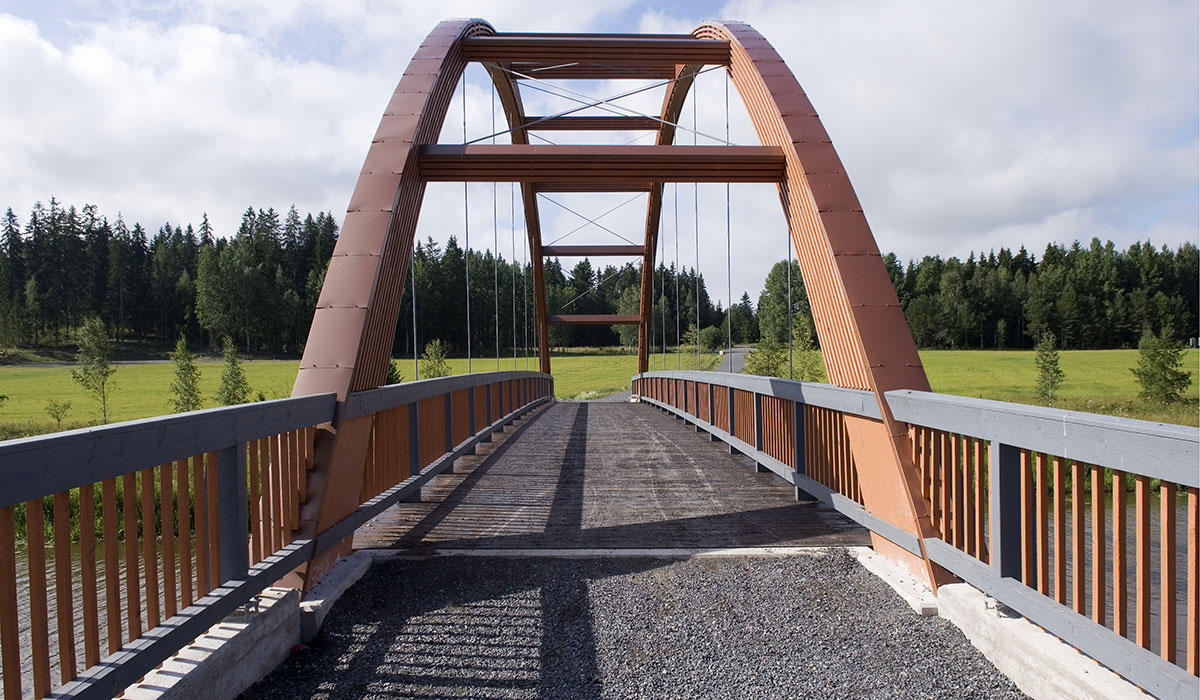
point(735, 360)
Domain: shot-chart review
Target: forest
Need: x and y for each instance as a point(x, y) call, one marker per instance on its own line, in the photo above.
point(259, 285)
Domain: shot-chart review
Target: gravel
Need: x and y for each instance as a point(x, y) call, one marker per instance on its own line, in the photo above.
point(796, 627)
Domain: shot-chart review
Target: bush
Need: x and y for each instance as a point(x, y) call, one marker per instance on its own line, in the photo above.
point(1050, 375)
point(1160, 369)
point(711, 339)
point(433, 360)
point(769, 359)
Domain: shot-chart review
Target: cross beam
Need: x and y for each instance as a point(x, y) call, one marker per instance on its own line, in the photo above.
point(592, 123)
point(603, 164)
point(583, 251)
point(608, 50)
point(593, 319)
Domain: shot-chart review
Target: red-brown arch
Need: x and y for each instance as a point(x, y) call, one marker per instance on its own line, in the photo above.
point(864, 338)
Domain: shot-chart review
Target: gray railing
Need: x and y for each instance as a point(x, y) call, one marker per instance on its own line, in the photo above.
point(986, 469)
point(207, 503)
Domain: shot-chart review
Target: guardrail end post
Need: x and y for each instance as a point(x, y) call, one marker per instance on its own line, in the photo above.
point(232, 517)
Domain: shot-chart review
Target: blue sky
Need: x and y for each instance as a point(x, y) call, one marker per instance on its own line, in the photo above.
point(964, 126)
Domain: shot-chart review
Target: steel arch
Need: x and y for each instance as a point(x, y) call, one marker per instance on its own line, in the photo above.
point(864, 338)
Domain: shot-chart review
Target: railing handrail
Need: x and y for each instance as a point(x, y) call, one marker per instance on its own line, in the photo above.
point(361, 403)
point(855, 402)
point(1157, 450)
point(41, 465)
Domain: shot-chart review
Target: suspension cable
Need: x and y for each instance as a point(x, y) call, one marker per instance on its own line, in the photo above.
point(789, 301)
point(412, 274)
point(590, 102)
point(662, 245)
point(495, 246)
point(728, 246)
point(466, 228)
point(678, 356)
point(512, 221)
point(696, 215)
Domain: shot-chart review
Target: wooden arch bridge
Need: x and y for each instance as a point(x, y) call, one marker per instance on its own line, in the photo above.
point(182, 519)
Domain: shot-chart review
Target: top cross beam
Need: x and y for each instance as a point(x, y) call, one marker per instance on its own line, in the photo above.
point(603, 55)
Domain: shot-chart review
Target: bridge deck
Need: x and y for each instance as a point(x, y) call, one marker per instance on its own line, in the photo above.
point(606, 475)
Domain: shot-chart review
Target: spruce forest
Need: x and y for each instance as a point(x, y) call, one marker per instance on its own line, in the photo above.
point(259, 286)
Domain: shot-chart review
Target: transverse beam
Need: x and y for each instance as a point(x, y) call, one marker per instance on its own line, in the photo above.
point(611, 50)
point(583, 251)
point(593, 319)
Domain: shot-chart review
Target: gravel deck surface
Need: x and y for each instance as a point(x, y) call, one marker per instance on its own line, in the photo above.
point(804, 626)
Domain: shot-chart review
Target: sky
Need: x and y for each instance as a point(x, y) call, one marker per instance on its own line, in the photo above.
point(963, 126)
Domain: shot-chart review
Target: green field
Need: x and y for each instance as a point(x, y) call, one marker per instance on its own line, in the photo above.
point(1097, 381)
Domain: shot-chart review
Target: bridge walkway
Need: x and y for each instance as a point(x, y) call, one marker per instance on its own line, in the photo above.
point(601, 475)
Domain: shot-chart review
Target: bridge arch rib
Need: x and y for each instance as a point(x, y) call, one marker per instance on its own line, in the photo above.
point(864, 337)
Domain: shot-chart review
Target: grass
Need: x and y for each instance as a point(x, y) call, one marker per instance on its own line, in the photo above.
point(1097, 381)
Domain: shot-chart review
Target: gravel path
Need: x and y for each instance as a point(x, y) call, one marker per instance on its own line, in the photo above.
point(798, 627)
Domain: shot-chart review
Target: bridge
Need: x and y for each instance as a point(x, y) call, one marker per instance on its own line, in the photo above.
point(182, 520)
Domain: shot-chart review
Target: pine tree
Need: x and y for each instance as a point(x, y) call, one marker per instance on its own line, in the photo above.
point(186, 387)
point(234, 388)
point(1160, 369)
point(1050, 375)
point(95, 363)
point(768, 359)
point(433, 361)
point(809, 366)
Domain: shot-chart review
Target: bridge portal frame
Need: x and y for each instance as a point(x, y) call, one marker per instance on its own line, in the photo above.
point(864, 337)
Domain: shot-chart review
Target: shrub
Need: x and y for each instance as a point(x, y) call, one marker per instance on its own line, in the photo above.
point(1160, 369)
point(433, 360)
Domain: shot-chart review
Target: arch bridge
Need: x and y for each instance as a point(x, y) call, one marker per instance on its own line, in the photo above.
point(183, 518)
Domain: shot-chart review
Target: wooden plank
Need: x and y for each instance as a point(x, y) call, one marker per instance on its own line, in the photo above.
point(39, 630)
point(1141, 516)
point(63, 586)
point(150, 550)
point(1028, 528)
point(133, 595)
point(1060, 532)
point(589, 123)
point(1078, 573)
point(593, 319)
point(1119, 570)
point(584, 251)
point(1193, 582)
point(981, 500)
point(10, 653)
point(183, 509)
point(634, 50)
point(1166, 570)
point(1042, 515)
point(252, 478)
point(214, 530)
point(112, 565)
point(166, 500)
point(1099, 565)
point(87, 575)
point(200, 517)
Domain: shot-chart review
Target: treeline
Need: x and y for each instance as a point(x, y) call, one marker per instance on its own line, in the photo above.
point(260, 286)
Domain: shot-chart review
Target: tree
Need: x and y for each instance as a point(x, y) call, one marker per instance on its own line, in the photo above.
point(433, 361)
point(95, 363)
point(1160, 369)
point(769, 359)
point(234, 388)
point(809, 365)
point(186, 387)
point(393, 373)
point(58, 411)
point(711, 338)
point(1050, 375)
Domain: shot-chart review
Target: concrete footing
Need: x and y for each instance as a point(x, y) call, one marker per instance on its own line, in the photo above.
point(1042, 665)
point(321, 597)
point(231, 656)
point(913, 591)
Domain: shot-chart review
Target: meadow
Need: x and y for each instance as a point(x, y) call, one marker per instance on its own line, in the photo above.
point(1097, 381)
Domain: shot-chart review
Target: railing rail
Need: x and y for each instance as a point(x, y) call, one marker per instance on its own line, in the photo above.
point(182, 518)
point(986, 469)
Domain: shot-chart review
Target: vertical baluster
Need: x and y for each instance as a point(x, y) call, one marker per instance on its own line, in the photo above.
point(39, 629)
point(10, 654)
point(255, 543)
point(1028, 532)
point(1099, 566)
point(267, 477)
point(1141, 516)
point(1166, 571)
point(87, 575)
point(1060, 532)
point(133, 595)
point(112, 564)
point(63, 586)
point(1193, 581)
point(1041, 512)
point(1120, 587)
point(969, 472)
point(935, 489)
point(1078, 562)
point(214, 537)
point(200, 511)
point(981, 500)
point(150, 549)
point(183, 502)
point(166, 503)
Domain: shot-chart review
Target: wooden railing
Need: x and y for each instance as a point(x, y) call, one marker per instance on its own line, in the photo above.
point(1117, 578)
point(159, 528)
